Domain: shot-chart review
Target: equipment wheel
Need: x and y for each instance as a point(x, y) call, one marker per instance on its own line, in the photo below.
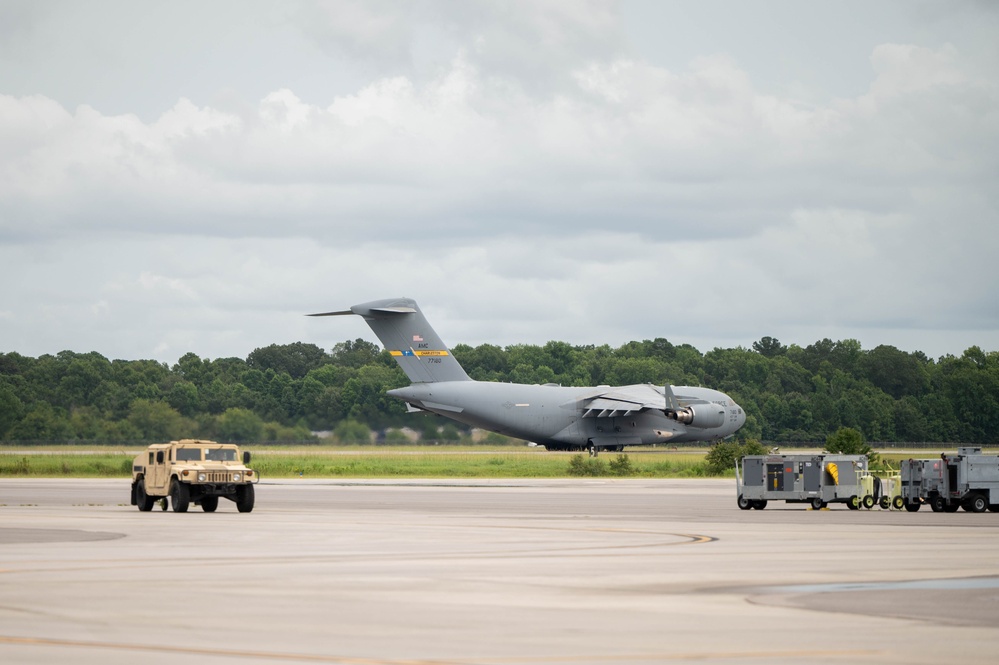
point(744, 503)
point(951, 507)
point(853, 503)
point(818, 504)
point(759, 504)
point(180, 496)
point(897, 503)
point(977, 503)
point(143, 500)
point(994, 507)
point(209, 504)
point(868, 502)
point(244, 498)
point(884, 502)
point(913, 506)
point(937, 504)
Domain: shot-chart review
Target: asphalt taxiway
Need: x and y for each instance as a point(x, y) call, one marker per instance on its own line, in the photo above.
point(490, 572)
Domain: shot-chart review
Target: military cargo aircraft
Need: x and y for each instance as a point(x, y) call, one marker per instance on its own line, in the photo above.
point(557, 417)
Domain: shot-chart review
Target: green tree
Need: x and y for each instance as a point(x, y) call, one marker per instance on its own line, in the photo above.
point(769, 347)
point(352, 431)
point(396, 437)
point(157, 421)
point(183, 397)
point(240, 425)
point(847, 441)
point(295, 360)
point(355, 354)
point(724, 455)
point(43, 422)
point(11, 409)
point(895, 372)
point(430, 430)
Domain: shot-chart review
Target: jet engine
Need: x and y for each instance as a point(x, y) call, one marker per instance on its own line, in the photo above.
point(699, 415)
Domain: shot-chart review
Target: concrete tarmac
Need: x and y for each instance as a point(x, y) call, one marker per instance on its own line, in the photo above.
point(489, 573)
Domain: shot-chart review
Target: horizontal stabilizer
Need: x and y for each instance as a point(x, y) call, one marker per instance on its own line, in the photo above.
point(393, 310)
point(342, 313)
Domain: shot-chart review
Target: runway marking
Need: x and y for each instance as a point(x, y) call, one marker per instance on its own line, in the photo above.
point(355, 660)
point(540, 553)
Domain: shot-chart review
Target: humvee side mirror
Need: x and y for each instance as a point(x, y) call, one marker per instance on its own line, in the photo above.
point(159, 457)
point(246, 457)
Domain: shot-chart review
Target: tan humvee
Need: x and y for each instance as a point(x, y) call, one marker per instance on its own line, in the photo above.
point(192, 470)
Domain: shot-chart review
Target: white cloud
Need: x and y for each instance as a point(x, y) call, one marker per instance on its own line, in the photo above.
point(606, 198)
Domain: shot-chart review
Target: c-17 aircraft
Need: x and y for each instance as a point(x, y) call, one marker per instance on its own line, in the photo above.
point(557, 417)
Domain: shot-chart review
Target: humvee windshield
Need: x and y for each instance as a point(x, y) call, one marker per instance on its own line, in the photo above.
point(188, 455)
point(220, 454)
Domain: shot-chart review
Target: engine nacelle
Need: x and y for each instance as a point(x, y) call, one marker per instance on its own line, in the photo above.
point(700, 415)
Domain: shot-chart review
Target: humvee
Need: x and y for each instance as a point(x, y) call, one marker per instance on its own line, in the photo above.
point(192, 470)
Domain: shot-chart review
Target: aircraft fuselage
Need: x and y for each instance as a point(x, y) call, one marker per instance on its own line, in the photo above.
point(553, 416)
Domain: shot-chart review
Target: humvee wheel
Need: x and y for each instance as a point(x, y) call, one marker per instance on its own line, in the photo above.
point(143, 500)
point(744, 503)
point(180, 496)
point(244, 498)
point(209, 504)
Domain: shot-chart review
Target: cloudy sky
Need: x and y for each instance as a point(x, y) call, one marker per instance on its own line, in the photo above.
point(193, 176)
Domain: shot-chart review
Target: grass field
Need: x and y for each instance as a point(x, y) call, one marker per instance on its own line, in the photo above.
point(401, 462)
point(391, 462)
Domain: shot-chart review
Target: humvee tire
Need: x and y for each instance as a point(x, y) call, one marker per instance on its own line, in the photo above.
point(244, 498)
point(180, 496)
point(143, 500)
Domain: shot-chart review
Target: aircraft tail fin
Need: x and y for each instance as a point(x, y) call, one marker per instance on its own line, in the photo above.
point(405, 333)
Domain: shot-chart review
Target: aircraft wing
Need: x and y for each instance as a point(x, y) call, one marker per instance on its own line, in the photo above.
point(622, 401)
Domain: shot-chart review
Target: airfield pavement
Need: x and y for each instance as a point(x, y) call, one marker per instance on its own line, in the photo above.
point(505, 572)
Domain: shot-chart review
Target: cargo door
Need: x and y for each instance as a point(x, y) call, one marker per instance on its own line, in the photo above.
point(775, 477)
point(813, 476)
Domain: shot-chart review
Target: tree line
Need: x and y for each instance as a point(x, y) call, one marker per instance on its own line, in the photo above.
point(285, 392)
